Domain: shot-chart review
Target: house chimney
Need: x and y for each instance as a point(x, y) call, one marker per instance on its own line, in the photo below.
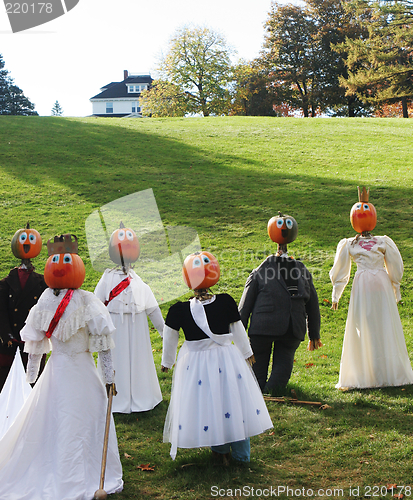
point(125, 74)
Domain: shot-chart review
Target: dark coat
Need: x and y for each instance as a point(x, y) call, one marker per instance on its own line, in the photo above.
point(15, 304)
point(272, 309)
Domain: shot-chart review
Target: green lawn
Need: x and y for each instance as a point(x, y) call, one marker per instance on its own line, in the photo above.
point(226, 177)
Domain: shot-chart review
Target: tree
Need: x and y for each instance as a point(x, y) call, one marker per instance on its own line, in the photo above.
point(57, 110)
point(291, 55)
point(252, 91)
point(198, 63)
point(12, 99)
point(335, 25)
point(380, 68)
point(163, 99)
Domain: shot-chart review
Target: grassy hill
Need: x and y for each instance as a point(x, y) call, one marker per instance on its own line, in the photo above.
point(226, 177)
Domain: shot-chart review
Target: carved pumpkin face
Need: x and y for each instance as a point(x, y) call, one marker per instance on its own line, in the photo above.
point(64, 270)
point(26, 243)
point(124, 240)
point(363, 217)
point(200, 270)
point(282, 229)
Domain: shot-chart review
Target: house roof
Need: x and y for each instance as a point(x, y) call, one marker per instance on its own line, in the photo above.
point(115, 90)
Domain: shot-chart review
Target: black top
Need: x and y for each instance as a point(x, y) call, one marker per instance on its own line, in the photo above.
point(220, 313)
point(288, 272)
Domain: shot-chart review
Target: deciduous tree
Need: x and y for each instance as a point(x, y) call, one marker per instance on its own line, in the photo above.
point(198, 63)
point(291, 54)
point(163, 99)
point(253, 93)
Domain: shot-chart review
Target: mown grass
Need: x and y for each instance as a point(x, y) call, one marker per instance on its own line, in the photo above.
point(226, 177)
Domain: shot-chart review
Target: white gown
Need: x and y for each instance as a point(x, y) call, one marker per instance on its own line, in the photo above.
point(215, 396)
point(374, 350)
point(14, 393)
point(136, 378)
point(53, 450)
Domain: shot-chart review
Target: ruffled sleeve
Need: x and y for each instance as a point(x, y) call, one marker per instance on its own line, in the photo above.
point(340, 272)
point(394, 265)
point(99, 324)
point(33, 334)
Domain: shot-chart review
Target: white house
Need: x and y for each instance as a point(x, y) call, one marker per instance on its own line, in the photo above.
point(121, 98)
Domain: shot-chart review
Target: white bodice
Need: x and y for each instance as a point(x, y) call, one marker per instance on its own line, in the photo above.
point(134, 299)
point(76, 344)
point(371, 254)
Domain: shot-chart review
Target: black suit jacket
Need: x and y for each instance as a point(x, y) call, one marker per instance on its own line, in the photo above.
point(270, 308)
point(15, 304)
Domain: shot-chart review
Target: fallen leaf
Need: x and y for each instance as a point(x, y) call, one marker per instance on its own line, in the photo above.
point(327, 301)
point(400, 496)
point(324, 356)
point(391, 486)
point(127, 456)
point(146, 467)
point(309, 365)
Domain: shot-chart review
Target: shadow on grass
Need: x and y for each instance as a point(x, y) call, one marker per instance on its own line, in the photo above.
point(103, 160)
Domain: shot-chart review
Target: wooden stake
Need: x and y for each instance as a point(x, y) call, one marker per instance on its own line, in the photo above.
point(100, 493)
point(292, 400)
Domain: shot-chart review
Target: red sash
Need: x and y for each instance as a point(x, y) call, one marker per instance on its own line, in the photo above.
point(59, 312)
point(118, 289)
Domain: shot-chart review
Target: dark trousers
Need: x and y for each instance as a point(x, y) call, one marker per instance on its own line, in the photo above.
point(283, 350)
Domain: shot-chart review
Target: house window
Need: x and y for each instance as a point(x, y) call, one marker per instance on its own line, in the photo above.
point(109, 107)
point(134, 107)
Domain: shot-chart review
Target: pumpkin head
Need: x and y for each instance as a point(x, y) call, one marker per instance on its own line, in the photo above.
point(124, 245)
point(26, 243)
point(200, 270)
point(363, 216)
point(64, 268)
point(282, 229)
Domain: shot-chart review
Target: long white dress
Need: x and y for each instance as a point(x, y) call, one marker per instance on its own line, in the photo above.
point(14, 393)
point(374, 349)
point(53, 450)
point(215, 396)
point(136, 378)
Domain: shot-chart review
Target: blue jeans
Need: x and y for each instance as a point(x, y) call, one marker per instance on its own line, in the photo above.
point(241, 450)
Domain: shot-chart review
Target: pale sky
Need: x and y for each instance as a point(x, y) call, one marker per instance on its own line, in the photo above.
point(70, 58)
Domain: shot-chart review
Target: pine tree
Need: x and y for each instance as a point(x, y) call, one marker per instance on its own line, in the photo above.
point(12, 99)
point(381, 66)
point(57, 110)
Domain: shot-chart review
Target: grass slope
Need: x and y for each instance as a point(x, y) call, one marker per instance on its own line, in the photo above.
point(226, 177)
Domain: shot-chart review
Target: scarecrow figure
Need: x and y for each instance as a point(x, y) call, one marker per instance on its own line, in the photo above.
point(280, 302)
point(215, 398)
point(53, 449)
point(130, 301)
point(374, 350)
point(19, 292)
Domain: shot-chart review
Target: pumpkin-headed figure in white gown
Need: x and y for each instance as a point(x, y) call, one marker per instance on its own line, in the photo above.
point(53, 449)
point(215, 399)
point(130, 301)
point(374, 350)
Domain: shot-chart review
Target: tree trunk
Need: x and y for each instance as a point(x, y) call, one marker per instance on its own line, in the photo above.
point(350, 103)
point(404, 107)
point(305, 106)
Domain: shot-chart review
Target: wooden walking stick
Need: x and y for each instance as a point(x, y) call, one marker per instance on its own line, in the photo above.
point(101, 494)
